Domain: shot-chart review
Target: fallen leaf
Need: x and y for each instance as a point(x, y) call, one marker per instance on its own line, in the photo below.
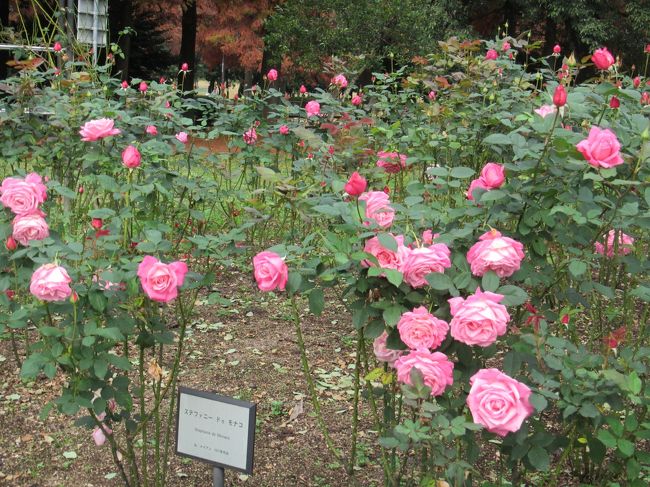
point(296, 410)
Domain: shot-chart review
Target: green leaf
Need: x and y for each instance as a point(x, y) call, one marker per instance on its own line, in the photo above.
point(633, 383)
point(70, 455)
point(316, 301)
point(294, 282)
point(497, 139)
point(490, 281)
point(395, 277)
point(387, 241)
point(512, 295)
point(606, 438)
point(392, 315)
point(111, 333)
point(439, 281)
point(97, 300)
point(626, 447)
point(538, 458)
point(493, 195)
point(588, 410)
point(100, 367)
point(461, 172)
point(577, 267)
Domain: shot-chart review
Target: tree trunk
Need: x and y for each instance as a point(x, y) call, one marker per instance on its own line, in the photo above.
point(4, 22)
point(120, 17)
point(188, 45)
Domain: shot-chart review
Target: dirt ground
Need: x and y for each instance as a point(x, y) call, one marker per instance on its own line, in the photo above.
point(243, 347)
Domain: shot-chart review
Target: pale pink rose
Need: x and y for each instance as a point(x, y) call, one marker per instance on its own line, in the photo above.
point(382, 353)
point(28, 227)
point(340, 81)
point(493, 175)
point(23, 196)
point(50, 282)
point(602, 58)
point(98, 129)
point(479, 319)
point(623, 246)
point(498, 402)
point(270, 271)
point(388, 259)
point(272, 75)
point(151, 130)
point(505, 46)
point(378, 208)
point(491, 55)
point(250, 136)
point(601, 148)
point(493, 252)
point(159, 281)
point(98, 435)
point(391, 162)
point(131, 157)
point(284, 130)
point(432, 95)
point(546, 110)
point(181, 137)
point(476, 183)
point(356, 100)
point(437, 370)
point(312, 108)
point(419, 329)
point(420, 262)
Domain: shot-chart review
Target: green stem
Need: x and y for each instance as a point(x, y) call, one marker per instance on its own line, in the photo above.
point(355, 410)
point(144, 420)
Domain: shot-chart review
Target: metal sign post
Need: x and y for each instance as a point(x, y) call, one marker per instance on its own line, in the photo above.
point(218, 477)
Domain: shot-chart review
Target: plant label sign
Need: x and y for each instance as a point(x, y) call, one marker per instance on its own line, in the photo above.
point(215, 429)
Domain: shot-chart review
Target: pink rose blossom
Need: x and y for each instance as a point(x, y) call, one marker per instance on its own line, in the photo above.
point(602, 58)
point(505, 46)
point(159, 281)
point(250, 136)
point(419, 329)
point(546, 110)
point(131, 157)
point(181, 137)
point(57, 47)
point(493, 252)
point(272, 75)
point(270, 271)
point(391, 162)
point(303, 90)
point(420, 262)
point(340, 81)
point(493, 175)
point(124, 85)
point(428, 236)
point(143, 87)
point(356, 185)
point(10, 244)
point(284, 130)
point(476, 183)
point(437, 370)
point(23, 196)
point(383, 354)
point(557, 49)
point(387, 258)
point(378, 208)
point(636, 82)
point(312, 108)
point(98, 435)
point(491, 55)
point(50, 282)
point(356, 100)
point(601, 148)
point(151, 130)
point(30, 226)
point(432, 95)
point(184, 67)
point(498, 402)
point(623, 245)
point(98, 129)
point(479, 319)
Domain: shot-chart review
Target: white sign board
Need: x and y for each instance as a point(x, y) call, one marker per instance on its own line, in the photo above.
point(215, 429)
point(92, 22)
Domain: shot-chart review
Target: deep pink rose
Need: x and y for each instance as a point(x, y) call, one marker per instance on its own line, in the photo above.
point(356, 100)
point(270, 271)
point(50, 282)
point(387, 258)
point(479, 319)
point(378, 208)
point(284, 130)
point(312, 108)
point(476, 183)
point(131, 157)
point(391, 162)
point(160, 282)
point(505, 46)
point(184, 67)
point(559, 96)
point(28, 227)
point(491, 55)
point(382, 353)
point(493, 252)
point(23, 196)
point(557, 49)
point(436, 368)
point(181, 137)
point(356, 185)
point(250, 136)
point(422, 261)
point(340, 81)
point(151, 130)
point(498, 402)
point(143, 87)
point(98, 129)
point(493, 175)
point(545, 110)
point(419, 329)
point(57, 47)
point(272, 75)
point(601, 148)
point(602, 58)
point(303, 89)
point(623, 246)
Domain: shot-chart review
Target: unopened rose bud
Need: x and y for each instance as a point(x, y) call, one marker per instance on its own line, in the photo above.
point(97, 223)
point(81, 190)
point(11, 244)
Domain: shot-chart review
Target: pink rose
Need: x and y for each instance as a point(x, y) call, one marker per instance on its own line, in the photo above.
point(437, 370)
point(272, 74)
point(601, 148)
point(623, 246)
point(388, 259)
point(28, 227)
point(270, 271)
point(23, 196)
point(419, 329)
point(98, 435)
point(356, 100)
point(50, 282)
point(340, 81)
point(124, 85)
point(184, 67)
point(131, 157)
point(479, 319)
point(57, 47)
point(559, 96)
point(105, 285)
point(378, 208)
point(303, 90)
point(143, 87)
point(356, 185)
point(181, 137)
point(391, 162)
point(493, 175)
point(151, 130)
point(250, 136)
point(382, 353)
point(420, 262)
point(160, 282)
point(491, 55)
point(432, 95)
point(557, 49)
point(98, 129)
point(498, 402)
point(476, 183)
point(602, 58)
point(284, 130)
point(505, 46)
point(545, 110)
point(427, 237)
point(312, 108)
point(493, 252)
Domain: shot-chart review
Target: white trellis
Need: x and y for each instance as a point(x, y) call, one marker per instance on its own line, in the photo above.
point(92, 23)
